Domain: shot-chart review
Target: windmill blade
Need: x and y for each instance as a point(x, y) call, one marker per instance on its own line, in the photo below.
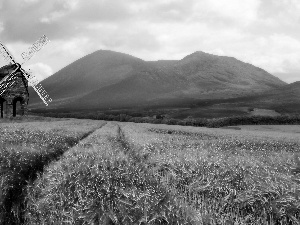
point(42, 93)
point(6, 82)
point(5, 85)
point(6, 54)
point(37, 46)
point(10, 75)
point(36, 86)
point(6, 78)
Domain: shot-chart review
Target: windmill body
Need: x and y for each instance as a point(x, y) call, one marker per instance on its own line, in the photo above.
point(14, 81)
point(16, 91)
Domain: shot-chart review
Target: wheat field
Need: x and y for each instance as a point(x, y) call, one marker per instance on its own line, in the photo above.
point(96, 172)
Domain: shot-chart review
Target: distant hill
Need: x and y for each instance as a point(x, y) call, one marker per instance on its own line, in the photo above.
point(285, 99)
point(107, 79)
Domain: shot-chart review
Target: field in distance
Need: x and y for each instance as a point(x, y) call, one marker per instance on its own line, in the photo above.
point(96, 172)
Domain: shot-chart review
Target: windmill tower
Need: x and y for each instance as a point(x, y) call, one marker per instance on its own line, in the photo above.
point(14, 81)
point(18, 91)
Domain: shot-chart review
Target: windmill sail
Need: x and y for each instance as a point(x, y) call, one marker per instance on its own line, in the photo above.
point(5, 85)
point(43, 95)
point(6, 54)
point(6, 81)
point(37, 46)
point(37, 87)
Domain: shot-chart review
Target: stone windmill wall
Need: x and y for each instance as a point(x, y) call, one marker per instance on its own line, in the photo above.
point(17, 92)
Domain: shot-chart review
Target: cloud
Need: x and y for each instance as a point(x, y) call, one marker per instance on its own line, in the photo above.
point(287, 9)
point(227, 12)
point(23, 21)
point(166, 11)
point(262, 32)
point(104, 11)
point(1, 27)
point(2, 62)
point(31, 1)
point(277, 53)
point(280, 16)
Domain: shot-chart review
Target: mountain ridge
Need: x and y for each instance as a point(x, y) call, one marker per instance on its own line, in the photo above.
point(104, 78)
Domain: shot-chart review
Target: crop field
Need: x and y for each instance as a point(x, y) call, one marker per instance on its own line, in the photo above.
point(94, 172)
point(25, 148)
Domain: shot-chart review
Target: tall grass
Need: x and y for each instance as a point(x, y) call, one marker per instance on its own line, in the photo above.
point(24, 151)
point(97, 182)
point(126, 173)
point(235, 180)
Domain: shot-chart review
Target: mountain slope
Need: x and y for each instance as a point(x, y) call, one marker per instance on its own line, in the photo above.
point(282, 99)
point(92, 72)
point(225, 69)
point(110, 79)
point(210, 72)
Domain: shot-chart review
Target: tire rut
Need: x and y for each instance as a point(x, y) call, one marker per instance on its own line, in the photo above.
point(129, 148)
point(147, 167)
point(16, 194)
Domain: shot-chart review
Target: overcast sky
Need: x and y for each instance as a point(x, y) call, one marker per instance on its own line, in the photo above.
point(265, 33)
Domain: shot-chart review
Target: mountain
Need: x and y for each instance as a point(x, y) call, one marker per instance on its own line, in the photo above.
point(285, 99)
point(107, 79)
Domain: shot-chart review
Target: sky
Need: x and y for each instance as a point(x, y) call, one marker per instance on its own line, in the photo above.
point(265, 33)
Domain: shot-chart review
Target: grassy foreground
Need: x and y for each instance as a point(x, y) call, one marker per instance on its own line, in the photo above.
point(226, 176)
point(25, 148)
point(99, 182)
point(126, 173)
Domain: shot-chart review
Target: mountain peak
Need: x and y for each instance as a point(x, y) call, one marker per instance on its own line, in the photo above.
point(295, 85)
point(199, 55)
point(110, 53)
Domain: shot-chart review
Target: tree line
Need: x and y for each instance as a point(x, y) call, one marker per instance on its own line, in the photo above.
point(198, 122)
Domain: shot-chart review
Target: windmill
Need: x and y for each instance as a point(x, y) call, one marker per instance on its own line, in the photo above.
point(13, 86)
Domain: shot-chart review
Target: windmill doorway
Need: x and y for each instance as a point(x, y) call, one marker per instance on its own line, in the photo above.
point(3, 110)
point(17, 107)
